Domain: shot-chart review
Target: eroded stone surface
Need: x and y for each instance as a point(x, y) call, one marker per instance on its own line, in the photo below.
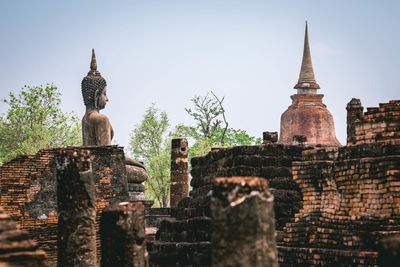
point(243, 223)
point(179, 188)
point(76, 209)
point(136, 174)
point(122, 231)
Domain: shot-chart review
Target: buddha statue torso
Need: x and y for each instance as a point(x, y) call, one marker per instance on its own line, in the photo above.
point(96, 129)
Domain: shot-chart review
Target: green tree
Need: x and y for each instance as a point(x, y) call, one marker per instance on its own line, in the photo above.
point(150, 142)
point(34, 120)
point(212, 128)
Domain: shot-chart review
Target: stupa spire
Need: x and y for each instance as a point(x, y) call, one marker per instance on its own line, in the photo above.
point(306, 77)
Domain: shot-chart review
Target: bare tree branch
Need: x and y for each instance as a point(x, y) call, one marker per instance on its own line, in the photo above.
point(223, 116)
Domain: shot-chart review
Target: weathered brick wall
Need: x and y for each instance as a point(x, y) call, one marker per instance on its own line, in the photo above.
point(378, 125)
point(351, 196)
point(28, 190)
point(184, 239)
point(243, 223)
point(272, 162)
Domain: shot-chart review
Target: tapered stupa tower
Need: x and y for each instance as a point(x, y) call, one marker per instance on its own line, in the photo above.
point(308, 115)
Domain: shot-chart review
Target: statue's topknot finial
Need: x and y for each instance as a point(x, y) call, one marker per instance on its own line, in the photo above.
point(92, 82)
point(93, 63)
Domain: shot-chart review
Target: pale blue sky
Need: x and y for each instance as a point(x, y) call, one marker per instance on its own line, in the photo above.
point(168, 51)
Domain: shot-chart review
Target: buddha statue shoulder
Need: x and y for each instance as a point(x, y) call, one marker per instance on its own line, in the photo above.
point(96, 127)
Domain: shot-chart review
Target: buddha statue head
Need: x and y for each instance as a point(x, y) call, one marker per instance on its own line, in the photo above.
point(94, 87)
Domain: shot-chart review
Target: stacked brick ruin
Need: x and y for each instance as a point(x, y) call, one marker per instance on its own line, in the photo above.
point(179, 187)
point(351, 195)
point(378, 125)
point(16, 247)
point(185, 238)
point(28, 190)
point(28, 195)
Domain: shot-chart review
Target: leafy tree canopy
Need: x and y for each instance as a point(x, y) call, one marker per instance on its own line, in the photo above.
point(150, 142)
point(34, 120)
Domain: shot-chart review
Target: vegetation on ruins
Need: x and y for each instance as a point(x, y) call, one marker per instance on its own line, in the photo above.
point(34, 120)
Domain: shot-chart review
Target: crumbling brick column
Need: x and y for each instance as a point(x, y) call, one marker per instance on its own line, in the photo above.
point(179, 171)
point(270, 137)
point(300, 140)
point(243, 223)
point(123, 238)
point(354, 112)
point(76, 209)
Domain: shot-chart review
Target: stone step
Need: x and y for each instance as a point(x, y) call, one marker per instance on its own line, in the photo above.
point(158, 211)
point(193, 229)
point(179, 253)
point(155, 220)
point(185, 213)
point(306, 256)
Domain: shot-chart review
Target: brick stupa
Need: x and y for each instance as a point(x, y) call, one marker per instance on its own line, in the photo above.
point(307, 115)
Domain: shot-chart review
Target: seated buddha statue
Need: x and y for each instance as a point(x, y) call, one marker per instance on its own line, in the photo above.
point(96, 127)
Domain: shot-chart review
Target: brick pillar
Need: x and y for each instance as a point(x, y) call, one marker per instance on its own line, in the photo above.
point(299, 140)
point(123, 238)
point(270, 137)
point(76, 209)
point(179, 171)
point(243, 230)
point(354, 112)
